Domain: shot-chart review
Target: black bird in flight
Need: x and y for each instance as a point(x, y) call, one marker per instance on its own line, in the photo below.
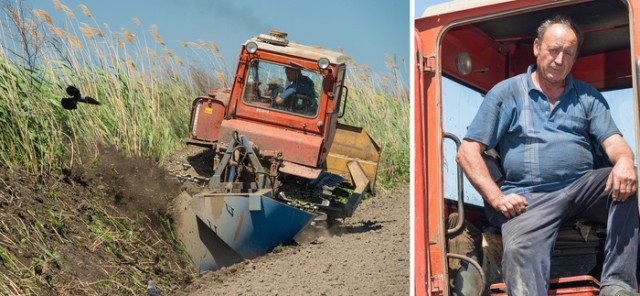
point(71, 103)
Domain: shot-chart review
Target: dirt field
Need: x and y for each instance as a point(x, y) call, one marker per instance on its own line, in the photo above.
point(368, 254)
point(100, 228)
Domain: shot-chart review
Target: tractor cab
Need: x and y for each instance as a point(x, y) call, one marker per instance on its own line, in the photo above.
point(463, 49)
point(285, 97)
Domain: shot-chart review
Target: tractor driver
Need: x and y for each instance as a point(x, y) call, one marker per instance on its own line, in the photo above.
point(547, 126)
point(298, 84)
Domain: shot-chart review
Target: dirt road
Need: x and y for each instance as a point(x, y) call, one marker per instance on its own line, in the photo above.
point(367, 254)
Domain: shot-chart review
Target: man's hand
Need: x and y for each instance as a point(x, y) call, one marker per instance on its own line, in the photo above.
point(622, 180)
point(511, 205)
point(279, 100)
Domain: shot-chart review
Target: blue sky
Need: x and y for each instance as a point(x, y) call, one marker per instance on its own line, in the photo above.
point(421, 5)
point(366, 31)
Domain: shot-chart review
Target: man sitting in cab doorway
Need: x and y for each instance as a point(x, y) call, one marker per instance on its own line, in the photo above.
point(543, 123)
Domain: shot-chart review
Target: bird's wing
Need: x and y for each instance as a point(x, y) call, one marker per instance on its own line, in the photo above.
point(68, 103)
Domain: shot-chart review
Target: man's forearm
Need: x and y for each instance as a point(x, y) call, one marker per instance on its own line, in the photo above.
point(622, 179)
point(617, 149)
point(470, 159)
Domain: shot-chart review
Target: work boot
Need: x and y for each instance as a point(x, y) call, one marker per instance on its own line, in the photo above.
point(615, 291)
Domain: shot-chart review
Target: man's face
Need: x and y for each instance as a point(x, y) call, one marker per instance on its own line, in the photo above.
point(556, 53)
point(291, 73)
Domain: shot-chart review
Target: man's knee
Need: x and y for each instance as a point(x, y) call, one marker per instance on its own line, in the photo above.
point(513, 251)
point(518, 251)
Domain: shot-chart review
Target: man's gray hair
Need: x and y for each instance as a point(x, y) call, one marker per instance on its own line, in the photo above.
point(564, 20)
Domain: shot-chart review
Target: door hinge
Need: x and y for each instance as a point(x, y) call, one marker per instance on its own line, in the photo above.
point(437, 282)
point(429, 63)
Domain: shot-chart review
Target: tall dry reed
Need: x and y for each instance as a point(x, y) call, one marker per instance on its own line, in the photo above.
point(145, 93)
point(380, 103)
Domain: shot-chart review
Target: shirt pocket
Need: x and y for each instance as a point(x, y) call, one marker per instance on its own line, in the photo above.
point(572, 124)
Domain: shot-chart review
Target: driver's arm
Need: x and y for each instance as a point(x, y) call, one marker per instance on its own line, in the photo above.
point(622, 179)
point(285, 95)
point(470, 159)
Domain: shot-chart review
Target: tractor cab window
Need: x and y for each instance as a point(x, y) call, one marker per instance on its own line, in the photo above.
point(283, 88)
point(459, 106)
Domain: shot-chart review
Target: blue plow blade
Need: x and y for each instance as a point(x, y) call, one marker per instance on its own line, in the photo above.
point(250, 224)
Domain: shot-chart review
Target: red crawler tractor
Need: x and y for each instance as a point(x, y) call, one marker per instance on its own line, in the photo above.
point(281, 158)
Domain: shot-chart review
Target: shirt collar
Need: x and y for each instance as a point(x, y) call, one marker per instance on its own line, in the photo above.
point(568, 84)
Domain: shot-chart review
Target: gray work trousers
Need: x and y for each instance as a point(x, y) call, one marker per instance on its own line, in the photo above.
point(528, 239)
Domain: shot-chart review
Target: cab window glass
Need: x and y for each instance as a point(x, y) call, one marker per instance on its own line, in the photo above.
point(282, 88)
point(459, 106)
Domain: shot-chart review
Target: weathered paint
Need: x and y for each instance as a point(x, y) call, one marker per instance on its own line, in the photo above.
point(296, 147)
point(353, 143)
point(323, 124)
point(207, 113)
point(207, 250)
point(239, 227)
point(295, 49)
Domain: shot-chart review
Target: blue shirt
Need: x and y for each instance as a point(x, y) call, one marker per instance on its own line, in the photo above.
point(542, 149)
point(302, 85)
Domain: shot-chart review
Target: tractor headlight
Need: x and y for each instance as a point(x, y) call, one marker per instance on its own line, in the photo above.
point(252, 47)
point(323, 63)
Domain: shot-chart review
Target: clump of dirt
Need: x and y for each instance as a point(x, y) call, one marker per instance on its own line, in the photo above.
point(100, 227)
point(136, 185)
point(192, 166)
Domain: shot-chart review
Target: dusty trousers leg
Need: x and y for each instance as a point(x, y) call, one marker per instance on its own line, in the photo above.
point(621, 244)
point(529, 238)
point(528, 241)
